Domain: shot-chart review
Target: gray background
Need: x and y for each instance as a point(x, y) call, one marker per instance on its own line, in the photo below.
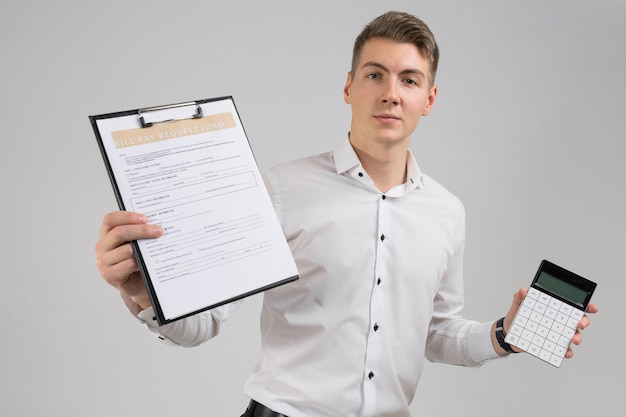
point(528, 131)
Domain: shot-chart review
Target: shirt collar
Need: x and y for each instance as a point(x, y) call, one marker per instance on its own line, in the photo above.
point(347, 161)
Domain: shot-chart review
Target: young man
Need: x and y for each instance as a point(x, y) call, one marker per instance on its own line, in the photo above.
point(379, 249)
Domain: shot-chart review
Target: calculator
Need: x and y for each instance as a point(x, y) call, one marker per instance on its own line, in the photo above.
point(548, 317)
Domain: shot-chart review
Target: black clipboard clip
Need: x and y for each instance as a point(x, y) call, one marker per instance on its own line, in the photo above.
point(196, 115)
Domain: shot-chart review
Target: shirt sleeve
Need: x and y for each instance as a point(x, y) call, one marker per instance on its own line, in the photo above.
point(453, 339)
point(187, 332)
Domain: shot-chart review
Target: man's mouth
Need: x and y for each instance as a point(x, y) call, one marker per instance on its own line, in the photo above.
point(386, 117)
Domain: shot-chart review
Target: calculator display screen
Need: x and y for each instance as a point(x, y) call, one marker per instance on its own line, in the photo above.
point(561, 287)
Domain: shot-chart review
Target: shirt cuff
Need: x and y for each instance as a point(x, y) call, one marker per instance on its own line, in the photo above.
point(480, 345)
point(133, 307)
point(147, 317)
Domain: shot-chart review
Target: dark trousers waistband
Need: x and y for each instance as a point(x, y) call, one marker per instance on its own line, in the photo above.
point(256, 409)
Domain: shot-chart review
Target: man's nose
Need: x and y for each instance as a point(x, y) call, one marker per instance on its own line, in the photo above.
point(390, 93)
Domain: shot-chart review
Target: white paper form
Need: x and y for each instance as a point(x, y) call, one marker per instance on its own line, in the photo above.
point(197, 178)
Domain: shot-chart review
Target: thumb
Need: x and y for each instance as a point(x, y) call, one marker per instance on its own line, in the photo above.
point(518, 297)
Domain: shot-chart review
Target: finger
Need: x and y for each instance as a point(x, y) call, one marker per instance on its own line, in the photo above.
point(117, 255)
point(135, 286)
point(116, 264)
point(118, 274)
point(521, 294)
point(592, 308)
point(118, 218)
point(584, 322)
point(518, 297)
point(123, 234)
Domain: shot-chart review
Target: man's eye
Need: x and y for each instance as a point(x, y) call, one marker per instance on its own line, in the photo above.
point(410, 81)
point(373, 76)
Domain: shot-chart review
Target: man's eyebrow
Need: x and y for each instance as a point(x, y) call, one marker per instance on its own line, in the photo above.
point(375, 64)
point(380, 66)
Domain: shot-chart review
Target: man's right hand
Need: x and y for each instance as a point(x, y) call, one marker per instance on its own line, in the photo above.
point(114, 254)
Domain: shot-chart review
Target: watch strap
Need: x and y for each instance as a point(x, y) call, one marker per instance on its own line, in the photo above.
point(500, 335)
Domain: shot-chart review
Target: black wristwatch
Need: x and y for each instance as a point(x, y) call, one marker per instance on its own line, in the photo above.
point(500, 336)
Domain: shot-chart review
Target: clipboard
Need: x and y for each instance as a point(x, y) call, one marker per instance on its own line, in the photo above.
point(189, 167)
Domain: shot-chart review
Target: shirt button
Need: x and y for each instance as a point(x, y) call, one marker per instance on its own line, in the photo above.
point(361, 174)
point(370, 375)
point(382, 237)
point(384, 196)
point(379, 281)
point(375, 327)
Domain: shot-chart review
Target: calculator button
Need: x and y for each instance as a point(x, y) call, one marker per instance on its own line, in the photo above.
point(524, 311)
point(533, 293)
point(572, 323)
point(562, 318)
point(543, 331)
point(566, 309)
point(556, 304)
point(520, 321)
point(547, 322)
point(577, 314)
point(523, 344)
point(538, 340)
point(554, 336)
point(564, 341)
point(568, 332)
point(557, 327)
point(560, 351)
point(551, 312)
point(534, 349)
point(544, 298)
point(556, 360)
point(528, 335)
point(545, 355)
point(540, 308)
point(549, 346)
point(536, 316)
point(529, 302)
point(516, 329)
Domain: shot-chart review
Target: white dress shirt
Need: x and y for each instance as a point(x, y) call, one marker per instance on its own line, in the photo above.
point(380, 289)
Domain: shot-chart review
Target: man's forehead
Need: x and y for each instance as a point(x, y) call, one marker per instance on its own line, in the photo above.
point(379, 51)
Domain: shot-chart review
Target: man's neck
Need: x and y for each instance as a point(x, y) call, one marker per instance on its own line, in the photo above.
point(386, 165)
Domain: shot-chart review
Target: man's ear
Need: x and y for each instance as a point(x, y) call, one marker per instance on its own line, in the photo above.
point(346, 88)
point(432, 97)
